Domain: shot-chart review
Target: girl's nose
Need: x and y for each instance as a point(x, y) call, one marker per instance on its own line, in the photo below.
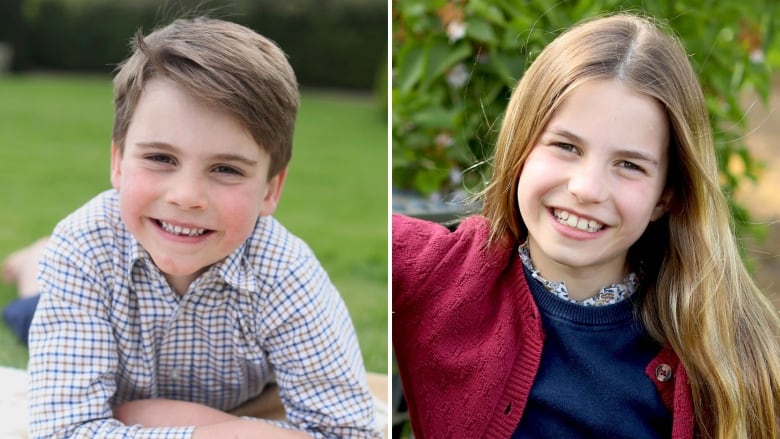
point(588, 184)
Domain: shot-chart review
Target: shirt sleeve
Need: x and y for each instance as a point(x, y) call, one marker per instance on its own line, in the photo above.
point(314, 352)
point(73, 356)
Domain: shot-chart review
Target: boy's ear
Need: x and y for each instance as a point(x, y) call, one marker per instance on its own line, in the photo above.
point(116, 169)
point(663, 204)
point(273, 192)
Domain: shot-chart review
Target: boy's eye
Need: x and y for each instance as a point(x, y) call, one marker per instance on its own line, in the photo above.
point(160, 158)
point(227, 170)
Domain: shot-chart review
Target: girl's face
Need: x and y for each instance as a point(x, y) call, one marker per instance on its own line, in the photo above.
point(593, 181)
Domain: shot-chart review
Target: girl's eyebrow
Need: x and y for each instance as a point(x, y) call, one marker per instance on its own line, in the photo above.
point(567, 134)
point(224, 157)
point(627, 153)
point(637, 155)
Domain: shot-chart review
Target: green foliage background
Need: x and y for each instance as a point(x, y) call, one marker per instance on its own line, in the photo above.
point(334, 43)
point(455, 63)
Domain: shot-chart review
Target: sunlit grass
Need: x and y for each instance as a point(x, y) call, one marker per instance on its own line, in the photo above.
point(54, 155)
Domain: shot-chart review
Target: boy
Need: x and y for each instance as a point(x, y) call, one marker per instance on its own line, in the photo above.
point(175, 297)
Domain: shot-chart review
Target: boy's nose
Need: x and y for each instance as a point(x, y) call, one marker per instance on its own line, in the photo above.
point(187, 192)
point(588, 184)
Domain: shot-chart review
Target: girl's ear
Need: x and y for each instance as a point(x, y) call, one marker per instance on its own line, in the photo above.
point(663, 204)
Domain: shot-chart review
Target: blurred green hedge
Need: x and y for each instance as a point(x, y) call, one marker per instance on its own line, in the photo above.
point(331, 43)
point(455, 63)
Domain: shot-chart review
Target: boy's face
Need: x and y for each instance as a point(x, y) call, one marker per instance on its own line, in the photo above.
point(192, 182)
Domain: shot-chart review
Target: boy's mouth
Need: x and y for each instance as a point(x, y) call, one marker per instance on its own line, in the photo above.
point(181, 231)
point(572, 220)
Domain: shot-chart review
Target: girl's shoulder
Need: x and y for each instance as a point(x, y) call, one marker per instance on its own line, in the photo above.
point(427, 252)
point(412, 236)
point(475, 228)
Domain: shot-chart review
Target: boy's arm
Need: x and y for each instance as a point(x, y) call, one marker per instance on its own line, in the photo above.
point(72, 377)
point(246, 428)
point(314, 352)
point(209, 422)
point(167, 413)
point(73, 354)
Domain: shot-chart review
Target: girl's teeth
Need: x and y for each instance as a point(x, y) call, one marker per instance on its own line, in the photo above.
point(576, 222)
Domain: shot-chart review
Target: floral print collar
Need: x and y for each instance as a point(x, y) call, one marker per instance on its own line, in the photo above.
point(607, 296)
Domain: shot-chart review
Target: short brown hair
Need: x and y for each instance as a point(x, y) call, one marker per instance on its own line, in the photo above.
point(220, 63)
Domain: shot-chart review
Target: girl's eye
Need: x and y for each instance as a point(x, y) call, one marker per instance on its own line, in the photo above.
point(629, 165)
point(160, 158)
point(227, 170)
point(566, 146)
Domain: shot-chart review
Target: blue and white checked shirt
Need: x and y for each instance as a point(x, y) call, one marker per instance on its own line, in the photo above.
point(109, 329)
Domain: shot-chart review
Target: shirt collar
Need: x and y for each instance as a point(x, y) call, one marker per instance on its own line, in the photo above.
point(135, 252)
point(234, 269)
point(606, 296)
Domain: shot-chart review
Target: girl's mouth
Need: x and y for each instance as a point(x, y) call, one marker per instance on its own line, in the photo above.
point(573, 221)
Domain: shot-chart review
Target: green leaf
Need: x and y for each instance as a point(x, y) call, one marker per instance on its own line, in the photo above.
point(441, 58)
point(508, 67)
point(429, 181)
point(480, 30)
point(487, 11)
point(434, 117)
point(410, 68)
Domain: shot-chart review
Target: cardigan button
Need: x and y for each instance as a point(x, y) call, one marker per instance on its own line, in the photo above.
point(663, 372)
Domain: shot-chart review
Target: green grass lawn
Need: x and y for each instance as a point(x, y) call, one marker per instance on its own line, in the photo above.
point(55, 136)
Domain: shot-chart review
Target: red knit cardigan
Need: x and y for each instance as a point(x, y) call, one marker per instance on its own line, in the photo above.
point(467, 335)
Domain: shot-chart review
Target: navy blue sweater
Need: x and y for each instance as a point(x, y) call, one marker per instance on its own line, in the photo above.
point(591, 381)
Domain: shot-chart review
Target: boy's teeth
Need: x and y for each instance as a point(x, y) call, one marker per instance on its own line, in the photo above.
point(576, 222)
point(176, 230)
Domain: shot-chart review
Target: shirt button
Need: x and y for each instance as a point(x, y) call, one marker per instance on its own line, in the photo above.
point(663, 372)
point(175, 374)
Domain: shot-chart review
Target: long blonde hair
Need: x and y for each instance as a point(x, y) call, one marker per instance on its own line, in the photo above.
point(698, 298)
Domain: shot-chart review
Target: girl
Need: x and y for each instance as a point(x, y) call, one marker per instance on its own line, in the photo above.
point(601, 293)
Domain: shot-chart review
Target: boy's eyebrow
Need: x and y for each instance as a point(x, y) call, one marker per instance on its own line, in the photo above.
point(234, 158)
point(628, 153)
point(224, 157)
